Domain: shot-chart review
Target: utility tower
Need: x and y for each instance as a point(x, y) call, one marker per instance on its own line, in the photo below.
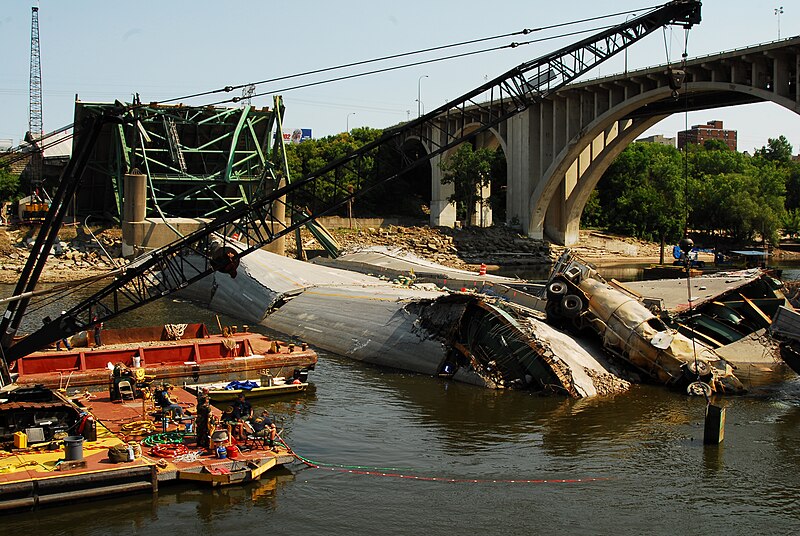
point(35, 128)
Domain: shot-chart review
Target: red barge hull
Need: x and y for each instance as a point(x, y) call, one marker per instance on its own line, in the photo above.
point(194, 355)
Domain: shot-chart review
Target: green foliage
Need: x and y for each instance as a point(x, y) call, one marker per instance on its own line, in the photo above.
point(740, 203)
point(715, 145)
point(776, 150)
point(651, 190)
point(792, 185)
point(791, 223)
point(642, 194)
point(593, 215)
point(312, 155)
point(469, 171)
point(9, 184)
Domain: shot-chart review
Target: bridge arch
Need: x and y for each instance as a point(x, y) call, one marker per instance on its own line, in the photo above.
point(558, 199)
point(411, 191)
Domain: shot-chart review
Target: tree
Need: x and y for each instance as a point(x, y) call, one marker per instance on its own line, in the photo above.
point(642, 193)
point(647, 190)
point(741, 204)
point(791, 223)
point(715, 145)
point(9, 184)
point(792, 185)
point(469, 171)
point(311, 155)
point(776, 150)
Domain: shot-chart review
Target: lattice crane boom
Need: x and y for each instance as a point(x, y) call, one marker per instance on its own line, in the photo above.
point(35, 126)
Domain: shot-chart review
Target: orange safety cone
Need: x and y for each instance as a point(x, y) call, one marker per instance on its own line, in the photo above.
point(483, 269)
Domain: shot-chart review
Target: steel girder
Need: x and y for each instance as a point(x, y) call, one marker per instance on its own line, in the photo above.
point(198, 160)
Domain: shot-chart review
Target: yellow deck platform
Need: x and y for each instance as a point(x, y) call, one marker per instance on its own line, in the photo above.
point(38, 476)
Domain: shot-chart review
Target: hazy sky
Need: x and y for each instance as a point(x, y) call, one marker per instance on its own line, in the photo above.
point(106, 50)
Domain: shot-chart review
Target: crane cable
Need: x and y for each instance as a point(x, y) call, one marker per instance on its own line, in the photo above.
point(228, 89)
point(525, 31)
point(698, 383)
point(413, 64)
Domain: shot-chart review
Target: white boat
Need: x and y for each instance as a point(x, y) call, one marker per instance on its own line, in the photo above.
point(228, 391)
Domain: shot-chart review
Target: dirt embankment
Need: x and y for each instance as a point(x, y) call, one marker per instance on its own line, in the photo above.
point(457, 248)
point(78, 255)
point(494, 246)
point(75, 256)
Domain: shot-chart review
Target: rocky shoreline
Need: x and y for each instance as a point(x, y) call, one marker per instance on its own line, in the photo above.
point(79, 255)
point(75, 257)
point(494, 246)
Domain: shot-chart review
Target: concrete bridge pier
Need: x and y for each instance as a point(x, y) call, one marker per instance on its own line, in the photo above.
point(443, 212)
point(521, 135)
point(134, 210)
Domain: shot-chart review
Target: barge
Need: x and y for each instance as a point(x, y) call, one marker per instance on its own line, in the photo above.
point(167, 352)
point(71, 445)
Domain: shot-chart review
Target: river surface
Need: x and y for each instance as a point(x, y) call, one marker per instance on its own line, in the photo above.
point(412, 454)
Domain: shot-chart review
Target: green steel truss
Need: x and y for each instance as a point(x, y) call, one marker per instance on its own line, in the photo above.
point(200, 161)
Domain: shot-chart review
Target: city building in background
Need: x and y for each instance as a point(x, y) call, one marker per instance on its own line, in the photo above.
point(712, 130)
point(658, 138)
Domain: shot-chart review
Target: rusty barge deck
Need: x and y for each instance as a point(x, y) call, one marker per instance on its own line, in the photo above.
point(195, 354)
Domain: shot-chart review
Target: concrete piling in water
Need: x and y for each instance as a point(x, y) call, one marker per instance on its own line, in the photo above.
point(714, 431)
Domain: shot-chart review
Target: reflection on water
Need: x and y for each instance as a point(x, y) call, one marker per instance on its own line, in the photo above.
point(624, 271)
point(539, 272)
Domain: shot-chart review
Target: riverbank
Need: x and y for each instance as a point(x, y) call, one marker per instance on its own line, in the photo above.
point(76, 256)
point(79, 255)
point(495, 246)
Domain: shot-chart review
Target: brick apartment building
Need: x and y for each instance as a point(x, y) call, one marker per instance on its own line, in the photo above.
point(712, 130)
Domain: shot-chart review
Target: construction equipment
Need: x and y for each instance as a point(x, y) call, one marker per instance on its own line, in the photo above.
point(35, 126)
point(170, 268)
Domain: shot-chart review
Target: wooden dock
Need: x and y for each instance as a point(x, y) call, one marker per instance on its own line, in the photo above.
point(40, 474)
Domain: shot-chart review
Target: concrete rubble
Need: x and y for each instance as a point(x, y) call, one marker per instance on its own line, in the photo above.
point(456, 248)
point(80, 256)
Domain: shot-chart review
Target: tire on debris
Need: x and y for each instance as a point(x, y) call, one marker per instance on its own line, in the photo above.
point(698, 370)
point(571, 305)
point(699, 389)
point(556, 288)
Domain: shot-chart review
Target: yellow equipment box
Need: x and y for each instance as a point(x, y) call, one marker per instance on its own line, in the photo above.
point(20, 440)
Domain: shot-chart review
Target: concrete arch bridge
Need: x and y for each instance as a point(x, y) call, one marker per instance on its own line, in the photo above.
point(557, 150)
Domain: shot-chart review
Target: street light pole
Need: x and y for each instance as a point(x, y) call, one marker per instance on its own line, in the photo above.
point(348, 121)
point(419, 98)
point(778, 13)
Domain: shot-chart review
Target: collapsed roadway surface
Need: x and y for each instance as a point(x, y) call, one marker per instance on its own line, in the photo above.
point(477, 338)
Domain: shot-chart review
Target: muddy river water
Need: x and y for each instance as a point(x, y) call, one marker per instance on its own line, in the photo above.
point(410, 454)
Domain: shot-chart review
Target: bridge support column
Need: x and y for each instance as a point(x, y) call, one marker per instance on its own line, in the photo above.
point(568, 235)
point(521, 135)
point(482, 217)
point(443, 212)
